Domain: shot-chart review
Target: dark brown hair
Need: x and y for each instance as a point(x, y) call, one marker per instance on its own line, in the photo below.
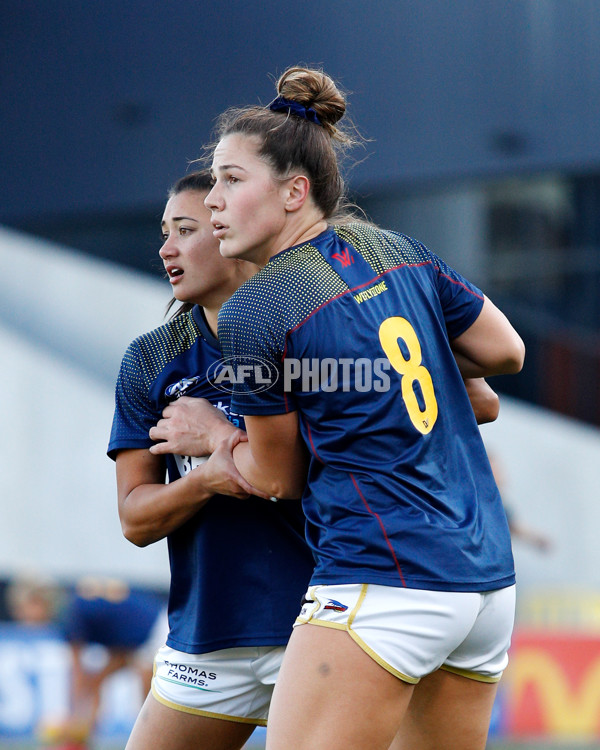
point(289, 142)
point(200, 181)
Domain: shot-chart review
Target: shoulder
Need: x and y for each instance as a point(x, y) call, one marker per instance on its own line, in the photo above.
point(384, 246)
point(178, 332)
point(154, 349)
point(182, 329)
point(291, 285)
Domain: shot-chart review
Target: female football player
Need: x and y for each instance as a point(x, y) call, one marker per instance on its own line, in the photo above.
point(407, 619)
point(239, 562)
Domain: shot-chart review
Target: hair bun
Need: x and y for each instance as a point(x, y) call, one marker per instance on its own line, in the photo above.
point(315, 89)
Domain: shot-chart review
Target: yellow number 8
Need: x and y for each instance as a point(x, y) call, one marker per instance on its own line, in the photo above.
point(411, 369)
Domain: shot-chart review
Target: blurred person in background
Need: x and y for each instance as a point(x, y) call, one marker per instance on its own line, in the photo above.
point(33, 599)
point(129, 623)
point(519, 530)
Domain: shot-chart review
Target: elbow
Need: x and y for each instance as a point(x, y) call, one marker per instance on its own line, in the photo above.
point(489, 409)
point(289, 485)
point(508, 360)
point(287, 490)
point(284, 478)
point(282, 488)
point(516, 359)
point(135, 535)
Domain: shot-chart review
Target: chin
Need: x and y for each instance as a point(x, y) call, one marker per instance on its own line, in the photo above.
point(229, 252)
point(182, 296)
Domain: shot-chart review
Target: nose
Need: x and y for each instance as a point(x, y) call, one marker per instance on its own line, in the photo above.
point(169, 248)
point(213, 200)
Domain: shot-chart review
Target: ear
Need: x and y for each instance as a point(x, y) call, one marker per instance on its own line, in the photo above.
point(298, 191)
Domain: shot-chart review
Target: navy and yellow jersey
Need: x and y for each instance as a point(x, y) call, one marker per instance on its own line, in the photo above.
point(238, 567)
point(353, 331)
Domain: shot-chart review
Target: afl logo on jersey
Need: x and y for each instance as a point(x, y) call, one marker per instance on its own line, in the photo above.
point(254, 373)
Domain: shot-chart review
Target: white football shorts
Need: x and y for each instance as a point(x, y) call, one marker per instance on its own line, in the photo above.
point(413, 632)
point(235, 684)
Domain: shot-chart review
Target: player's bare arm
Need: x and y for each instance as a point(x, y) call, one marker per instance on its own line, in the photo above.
point(149, 510)
point(490, 346)
point(277, 462)
point(484, 400)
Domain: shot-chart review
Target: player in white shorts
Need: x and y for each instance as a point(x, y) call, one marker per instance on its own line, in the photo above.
point(413, 632)
point(233, 682)
point(239, 562)
point(370, 336)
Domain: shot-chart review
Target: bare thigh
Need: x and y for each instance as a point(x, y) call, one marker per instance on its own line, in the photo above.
point(331, 694)
point(447, 711)
point(164, 728)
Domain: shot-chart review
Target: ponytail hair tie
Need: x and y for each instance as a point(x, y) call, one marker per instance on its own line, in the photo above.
point(294, 108)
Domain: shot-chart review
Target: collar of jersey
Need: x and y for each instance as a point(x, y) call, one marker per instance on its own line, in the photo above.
point(314, 241)
point(207, 334)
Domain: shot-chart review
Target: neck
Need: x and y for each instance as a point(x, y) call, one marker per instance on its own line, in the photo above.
point(212, 314)
point(295, 235)
point(310, 233)
point(213, 303)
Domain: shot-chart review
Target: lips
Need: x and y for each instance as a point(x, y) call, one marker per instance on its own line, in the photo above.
point(219, 230)
point(174, 273)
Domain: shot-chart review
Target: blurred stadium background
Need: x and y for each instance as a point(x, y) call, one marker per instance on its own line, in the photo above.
point(483, 142)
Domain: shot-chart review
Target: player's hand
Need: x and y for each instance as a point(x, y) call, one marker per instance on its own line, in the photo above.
point(190, 427)
point(219, 473)
point(484, 400)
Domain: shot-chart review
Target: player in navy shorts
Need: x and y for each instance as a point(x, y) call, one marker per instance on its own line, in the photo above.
point(347, 354)
point(239, 561)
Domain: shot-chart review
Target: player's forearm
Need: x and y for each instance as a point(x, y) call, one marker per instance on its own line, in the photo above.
point(469, 369)
point(277, 479)
point(151, 512)
point(190, 427)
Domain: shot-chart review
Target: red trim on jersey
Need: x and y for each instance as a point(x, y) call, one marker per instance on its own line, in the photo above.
point(350, 291)
point(312, 445)
point(285, 403)
point(379, 521)
point(308, 317)
point(464, 286)
point(368, 283)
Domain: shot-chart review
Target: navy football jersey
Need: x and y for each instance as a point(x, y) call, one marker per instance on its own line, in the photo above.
point(238, 567)
point(123, 618)
point(353, 330)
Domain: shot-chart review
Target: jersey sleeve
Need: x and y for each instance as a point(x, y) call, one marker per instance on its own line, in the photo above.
point(461, 300)
point(253, 351)
point(134, 413)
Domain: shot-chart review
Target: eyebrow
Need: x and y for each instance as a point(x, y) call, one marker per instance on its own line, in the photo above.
point(224, 167)
point(180, 218)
